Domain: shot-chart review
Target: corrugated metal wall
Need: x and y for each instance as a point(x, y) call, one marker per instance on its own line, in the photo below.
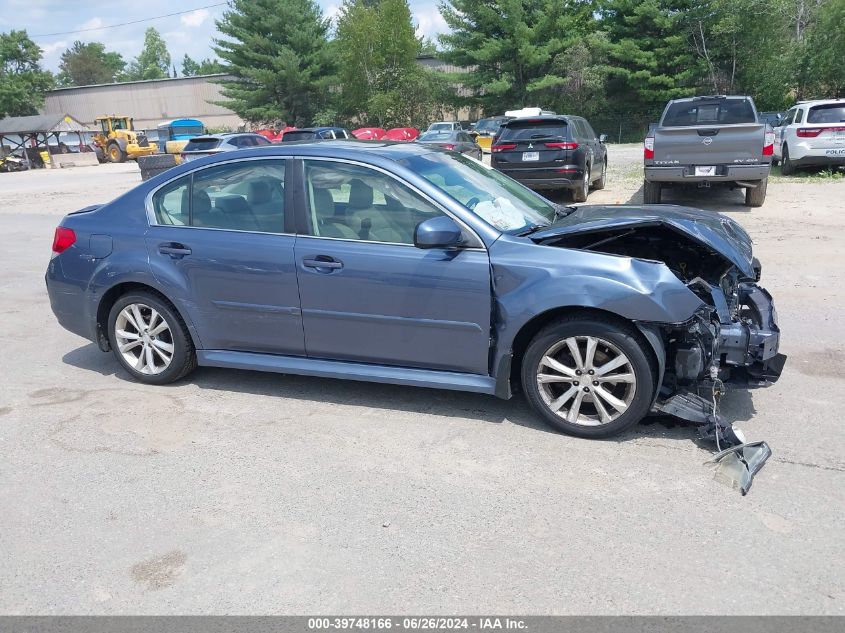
point(150, 102)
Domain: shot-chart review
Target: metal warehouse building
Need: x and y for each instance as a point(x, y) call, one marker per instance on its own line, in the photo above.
point(149, 102)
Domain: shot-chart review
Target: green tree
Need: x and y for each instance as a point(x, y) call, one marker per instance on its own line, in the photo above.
point(514, 47)
point(85, 64)
point(23, 82)
point(823, 64)
point(189, 67)
point(649, 57)
point(380, 79)
point(154, 60)
point(277, 52)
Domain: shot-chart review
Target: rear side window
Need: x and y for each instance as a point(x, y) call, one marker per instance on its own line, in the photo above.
point(241, 196)
point(202, 144)
point(829, 113)
point(717, 111)
point(533, 129)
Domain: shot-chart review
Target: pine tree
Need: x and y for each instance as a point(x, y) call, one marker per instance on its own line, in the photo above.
point(84, 64)
point(153, 62)
point(277, 53)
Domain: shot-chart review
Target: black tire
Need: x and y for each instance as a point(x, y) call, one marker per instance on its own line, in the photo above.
point(183, 360)
point(114, 153)
point(580, 193)
point(787, 167)
point(600, 184)
point(651, 192)
point(619, 334)
point(157, 161)
point(756, 196)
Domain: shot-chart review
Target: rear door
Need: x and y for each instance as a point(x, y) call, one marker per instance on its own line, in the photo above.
point(532, 147)
point(709, 132)
point(222, 241)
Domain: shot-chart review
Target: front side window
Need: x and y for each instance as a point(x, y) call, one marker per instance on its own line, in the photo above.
point(359, 203)
point(242, 196)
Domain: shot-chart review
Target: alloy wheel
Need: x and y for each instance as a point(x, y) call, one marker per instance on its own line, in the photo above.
point(144, 339)
point(586, 380)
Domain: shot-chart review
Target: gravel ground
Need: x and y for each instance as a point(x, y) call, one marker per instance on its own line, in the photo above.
point(238, 492)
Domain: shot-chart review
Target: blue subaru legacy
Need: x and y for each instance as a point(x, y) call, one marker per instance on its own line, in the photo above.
point(407, 264)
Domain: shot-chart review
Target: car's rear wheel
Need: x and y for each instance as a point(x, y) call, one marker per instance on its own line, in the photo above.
point(582, 190)
point(787, 167)
point(651, 192)
point(588, 377)
point(602, 181)
point(150, 339)
point(756, 196)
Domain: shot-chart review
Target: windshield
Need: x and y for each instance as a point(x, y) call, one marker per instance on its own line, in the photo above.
point(439, 126)
point(495, 198)
point(488, 125)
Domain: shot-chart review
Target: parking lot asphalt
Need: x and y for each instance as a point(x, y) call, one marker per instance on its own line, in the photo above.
point(237, 492)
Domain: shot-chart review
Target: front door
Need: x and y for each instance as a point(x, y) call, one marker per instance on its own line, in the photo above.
point(221, 238)
point(368, 295)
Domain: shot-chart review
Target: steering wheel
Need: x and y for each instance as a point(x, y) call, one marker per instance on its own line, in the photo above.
point(470, 204)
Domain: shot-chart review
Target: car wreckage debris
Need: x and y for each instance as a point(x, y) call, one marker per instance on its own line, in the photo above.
point(736, 461)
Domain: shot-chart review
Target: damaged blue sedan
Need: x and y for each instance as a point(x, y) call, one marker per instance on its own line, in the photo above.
point(409, 265)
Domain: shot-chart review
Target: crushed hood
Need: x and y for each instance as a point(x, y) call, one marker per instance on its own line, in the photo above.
point(712, 230)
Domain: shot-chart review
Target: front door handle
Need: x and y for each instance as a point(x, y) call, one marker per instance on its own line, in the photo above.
point(322, 261)
point(174, 249)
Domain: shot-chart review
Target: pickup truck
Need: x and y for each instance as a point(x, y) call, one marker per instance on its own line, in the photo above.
point(707, 141)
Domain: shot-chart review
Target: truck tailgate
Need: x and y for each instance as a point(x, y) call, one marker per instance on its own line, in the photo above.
point(709, 145)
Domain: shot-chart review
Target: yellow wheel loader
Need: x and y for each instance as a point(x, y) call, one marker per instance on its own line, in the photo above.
point(117, 140)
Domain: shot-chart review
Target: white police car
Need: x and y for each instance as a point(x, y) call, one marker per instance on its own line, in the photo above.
point(812, 133)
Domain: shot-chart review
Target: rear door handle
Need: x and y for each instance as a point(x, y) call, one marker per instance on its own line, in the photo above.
point(174, 249)
point(322, 261)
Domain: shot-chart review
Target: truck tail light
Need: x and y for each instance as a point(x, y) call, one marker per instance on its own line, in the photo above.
point(769, 144)
point(63, 239)
point(648, 147)
point(809, 132)
point(562, 145)
point(502, 147)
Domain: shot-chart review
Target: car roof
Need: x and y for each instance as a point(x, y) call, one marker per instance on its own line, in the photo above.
point(819, 102)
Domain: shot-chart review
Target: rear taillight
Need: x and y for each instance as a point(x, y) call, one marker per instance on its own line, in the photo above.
point(448, 146)
point(503, 147)
point(63, 239)
point(562, 145)
point(648, 147)
point(769, 144)
point(809, 132)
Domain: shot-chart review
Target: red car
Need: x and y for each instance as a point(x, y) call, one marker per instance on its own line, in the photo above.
point(402, 134)
point(369, 133)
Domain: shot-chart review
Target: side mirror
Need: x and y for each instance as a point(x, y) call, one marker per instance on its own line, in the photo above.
point(439, 232)
point(602, 138)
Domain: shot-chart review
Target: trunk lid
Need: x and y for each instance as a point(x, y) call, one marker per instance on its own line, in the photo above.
point(712, 230)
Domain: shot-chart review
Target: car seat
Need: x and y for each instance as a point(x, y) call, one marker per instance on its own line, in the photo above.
point(329, 223)
point(269, 213)
point(367, 221)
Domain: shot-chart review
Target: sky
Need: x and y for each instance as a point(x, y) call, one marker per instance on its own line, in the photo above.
point(47, 21)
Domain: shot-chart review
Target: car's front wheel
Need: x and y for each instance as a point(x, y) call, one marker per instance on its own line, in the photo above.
point(150, 339)
point(588, 377)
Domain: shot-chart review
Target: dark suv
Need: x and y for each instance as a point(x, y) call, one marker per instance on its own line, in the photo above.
point(552, 152)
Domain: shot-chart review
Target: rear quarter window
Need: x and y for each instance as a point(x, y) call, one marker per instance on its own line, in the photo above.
point(528, 130)
point(716, 112)
point(202, 145)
